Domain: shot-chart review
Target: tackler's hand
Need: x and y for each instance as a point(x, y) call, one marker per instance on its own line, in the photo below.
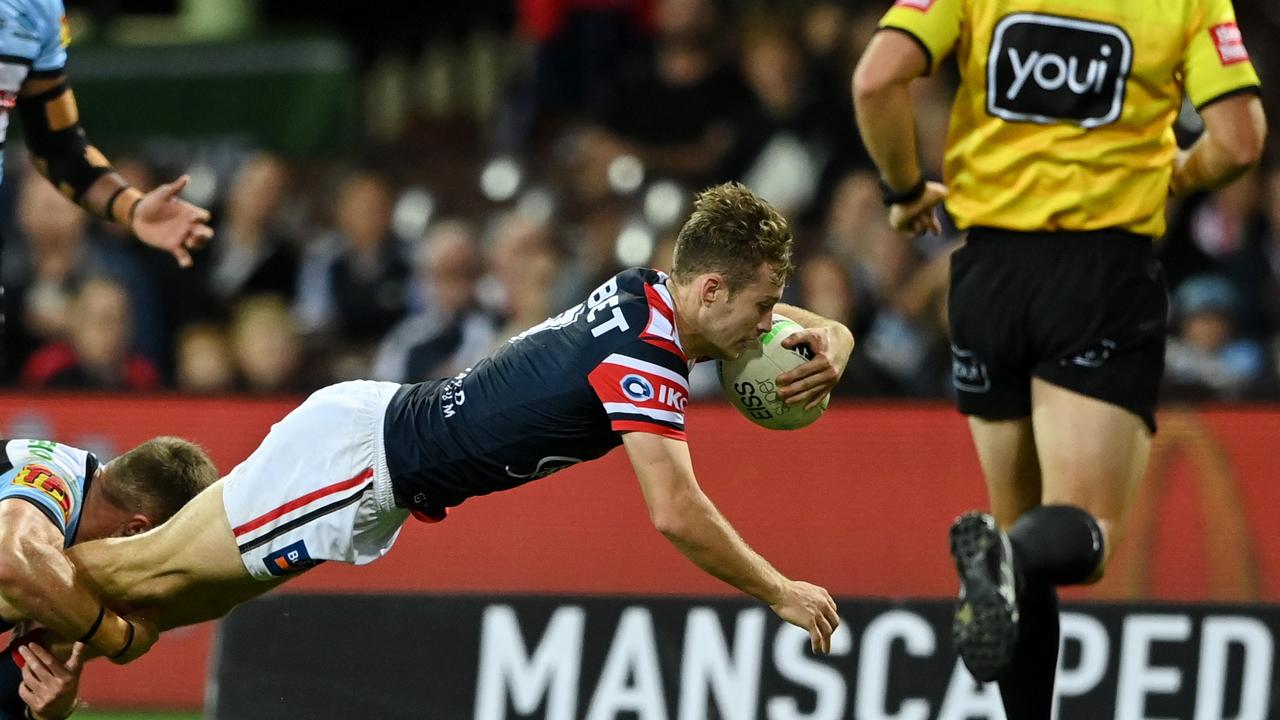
point(166, 222)
point(49, 686)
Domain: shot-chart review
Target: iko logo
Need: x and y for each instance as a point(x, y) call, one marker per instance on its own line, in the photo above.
point(968, 373)
point(672, 397)
point(1048, 69)
point(637, 388)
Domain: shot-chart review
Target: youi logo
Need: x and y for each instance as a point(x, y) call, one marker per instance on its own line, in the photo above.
point(1049, 69)
point(637, 388)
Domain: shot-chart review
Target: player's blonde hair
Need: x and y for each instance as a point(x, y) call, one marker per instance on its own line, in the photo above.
point(158, 477)
point(733, 232)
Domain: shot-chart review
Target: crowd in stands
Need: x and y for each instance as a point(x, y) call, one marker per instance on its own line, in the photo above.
point(411, 257)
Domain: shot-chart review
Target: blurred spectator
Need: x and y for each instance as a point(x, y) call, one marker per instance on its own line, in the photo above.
point(55, 231)
point(251, 256)
point(577, 45)
point(452, 332)
point(675, 105)
point(792, 140)
point(1206, 360)
point(1213, 233)
point(154, 283)
point(205, 363)
point(855, 210)
point(902, 350)
point(1269, 255)
point(824, 288)
point(353, 281)
point(99, 355)
point(522, 271)
point(267, 346)
point(664, 253)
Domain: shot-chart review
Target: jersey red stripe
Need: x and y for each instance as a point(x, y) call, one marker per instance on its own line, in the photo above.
point(307, 499)
point(657, 303)
point(661, 342)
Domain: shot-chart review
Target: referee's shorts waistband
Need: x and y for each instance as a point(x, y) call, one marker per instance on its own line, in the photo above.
point(1044, 239)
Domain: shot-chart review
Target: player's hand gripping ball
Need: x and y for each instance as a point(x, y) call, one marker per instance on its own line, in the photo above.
point(750, 383)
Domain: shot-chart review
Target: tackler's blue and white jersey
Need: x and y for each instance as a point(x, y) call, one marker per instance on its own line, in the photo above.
point(557, 394)
point(52, 476)
point(33, 40)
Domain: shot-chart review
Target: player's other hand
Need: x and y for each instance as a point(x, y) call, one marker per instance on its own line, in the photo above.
point(809, 607)
point(145, 634)
point(814, 380)
point(49, 686)
point(167, 222)
point(921, 216)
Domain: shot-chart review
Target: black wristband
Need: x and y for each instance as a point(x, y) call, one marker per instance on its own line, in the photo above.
point(910, 195)
point(128, 643)
point(106, 209)
point(93, 629)
point(133, 209)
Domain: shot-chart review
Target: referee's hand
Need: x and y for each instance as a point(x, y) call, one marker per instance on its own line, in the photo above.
point(919, 217)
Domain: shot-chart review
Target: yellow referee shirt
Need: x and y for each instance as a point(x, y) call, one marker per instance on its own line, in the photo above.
point(1064, 117)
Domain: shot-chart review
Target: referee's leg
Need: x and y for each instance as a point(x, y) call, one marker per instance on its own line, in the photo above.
point(1010, 465)
point(1092, 456)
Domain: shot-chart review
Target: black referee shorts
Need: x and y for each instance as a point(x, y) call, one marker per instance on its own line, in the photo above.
point(1086, 311)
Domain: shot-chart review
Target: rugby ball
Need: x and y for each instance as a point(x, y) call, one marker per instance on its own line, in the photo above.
point(750, 382)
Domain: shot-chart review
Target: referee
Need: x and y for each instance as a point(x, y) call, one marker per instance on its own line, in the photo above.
point(1059, 159)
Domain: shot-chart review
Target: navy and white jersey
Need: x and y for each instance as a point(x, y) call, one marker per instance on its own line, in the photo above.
point(33, 41)
point(52, 476)
point(559, 393)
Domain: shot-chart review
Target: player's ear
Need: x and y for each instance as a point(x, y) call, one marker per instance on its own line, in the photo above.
point(135, 525)
point(710, 287)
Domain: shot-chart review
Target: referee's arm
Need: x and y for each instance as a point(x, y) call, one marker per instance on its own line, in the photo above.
point(887, 121)
point(1235, 131)
point(886, 116)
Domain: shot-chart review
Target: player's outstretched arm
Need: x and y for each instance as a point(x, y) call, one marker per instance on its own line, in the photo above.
point(685, 515)
point(38, 582)
point(80, 171)
point(831, 343)
point(1235, 132)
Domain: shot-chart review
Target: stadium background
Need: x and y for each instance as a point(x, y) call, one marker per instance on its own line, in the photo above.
point(397, 191)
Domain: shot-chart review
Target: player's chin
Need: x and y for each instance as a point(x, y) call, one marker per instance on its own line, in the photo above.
point(730, 353)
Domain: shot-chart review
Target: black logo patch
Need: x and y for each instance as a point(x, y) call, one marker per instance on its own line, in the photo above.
point(968, 373)
point(1049, 69)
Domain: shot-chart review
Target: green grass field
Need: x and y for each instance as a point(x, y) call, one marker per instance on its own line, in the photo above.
point(92, 715)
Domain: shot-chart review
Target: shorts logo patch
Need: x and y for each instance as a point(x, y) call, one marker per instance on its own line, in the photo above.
point(290, 559)
point(968, 373)
point(637, 388)
point(1094, 357)
point(1229, 42)
point(921, 5)
point(1047, 69)
point(42, 479)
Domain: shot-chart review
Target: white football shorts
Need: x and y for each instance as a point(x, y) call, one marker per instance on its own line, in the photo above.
point(317, 488)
